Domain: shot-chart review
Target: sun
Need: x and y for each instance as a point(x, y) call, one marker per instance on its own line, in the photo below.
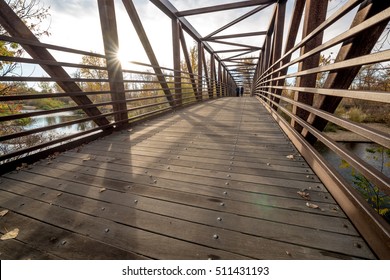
point(124, 58)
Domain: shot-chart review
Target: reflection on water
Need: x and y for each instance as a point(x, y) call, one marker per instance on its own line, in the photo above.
point(371, 153)
point(377, 160)
point(58, 118)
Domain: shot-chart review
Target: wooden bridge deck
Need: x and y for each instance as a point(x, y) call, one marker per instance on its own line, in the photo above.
point(212, 181)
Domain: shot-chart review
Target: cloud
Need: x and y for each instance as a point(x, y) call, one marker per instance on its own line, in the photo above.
point(72, 7)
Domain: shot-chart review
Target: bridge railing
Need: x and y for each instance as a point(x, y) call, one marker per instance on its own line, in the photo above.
point(42, 115)
point(305, 94)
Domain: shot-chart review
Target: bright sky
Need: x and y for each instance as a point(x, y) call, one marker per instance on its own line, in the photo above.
point(75, 24)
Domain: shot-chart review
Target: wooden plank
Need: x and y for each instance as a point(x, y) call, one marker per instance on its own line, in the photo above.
point(242, 167)
point(15, 250)
point(326, 218)
point(183, 193)
point(55, 242)
point(228, 171)
point(200, 233)
point(118, 235)
point(210, 177)
point(204, 198)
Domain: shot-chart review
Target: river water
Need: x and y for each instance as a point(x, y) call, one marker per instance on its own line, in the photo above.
point(58, 118)
point(378, 160)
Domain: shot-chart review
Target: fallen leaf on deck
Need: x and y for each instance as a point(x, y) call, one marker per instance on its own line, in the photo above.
point(290, 156)
point(3, 213)
point(102, 189)
point(10, 235)
point(311, 205)
point(304, 195)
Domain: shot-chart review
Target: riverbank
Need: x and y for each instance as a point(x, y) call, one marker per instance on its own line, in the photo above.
point(347, 136)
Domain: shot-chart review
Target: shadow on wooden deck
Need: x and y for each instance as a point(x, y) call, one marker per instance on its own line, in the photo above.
point(213, 181)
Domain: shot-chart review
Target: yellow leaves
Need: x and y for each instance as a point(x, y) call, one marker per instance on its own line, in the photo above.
point(312, 205)
point(23, 166)
point(383, 211)
point(304, 195)
point(10, 235)
point(3, 213)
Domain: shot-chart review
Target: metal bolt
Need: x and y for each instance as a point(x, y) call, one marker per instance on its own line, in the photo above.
point(215, 236)
point(135, 201)
point(107, 230)
point(268, 163)
point(103, 208)
point(63, 242)
point(169, 167)
point(219, 219)
point(228, 175)
point(225, 193)
point(222, 204)
point(227, 183)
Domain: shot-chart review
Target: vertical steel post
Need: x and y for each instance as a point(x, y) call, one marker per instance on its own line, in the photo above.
point(219, 89)
point(114, 67)
point(291, 38)
point(212, 76)
point(200, 73)
point(278, 39)
point(176, 61)
point(315, 14)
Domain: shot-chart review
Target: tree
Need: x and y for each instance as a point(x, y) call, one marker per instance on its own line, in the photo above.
point(33, 13)
point(94, 73)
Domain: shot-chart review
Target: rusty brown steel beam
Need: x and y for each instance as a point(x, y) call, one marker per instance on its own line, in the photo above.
point(212, 76)
point(166, 7)
point(114, 67)
point(278, 34)
point(237, 45)
point(200, 73)
point(249, 34)
point(241, 18)
point(360, 45)
point(176, 61)
point(134, 17)
point(206, 73)
point(188, 60)
point(224, 7)
point(315, 14)
point(299, 6)
point(16, 28)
